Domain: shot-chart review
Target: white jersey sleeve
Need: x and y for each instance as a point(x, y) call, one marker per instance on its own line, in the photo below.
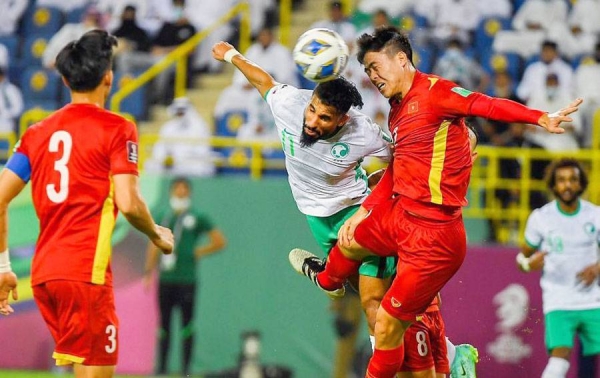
point(533, 232)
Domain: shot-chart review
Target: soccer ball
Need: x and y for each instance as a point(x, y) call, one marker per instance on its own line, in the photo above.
point(320, 54)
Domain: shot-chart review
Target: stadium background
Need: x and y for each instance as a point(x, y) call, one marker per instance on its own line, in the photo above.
point(251, 287)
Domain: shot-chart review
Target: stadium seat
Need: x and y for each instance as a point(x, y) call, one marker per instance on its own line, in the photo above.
point(42, 21)
point(11, 42)
point(511, 63)
point(38, 84)
point(485, 33)
point(33, 49)
point(136, 103)
point(229, 123)
point(424, 58)
point(75, 16)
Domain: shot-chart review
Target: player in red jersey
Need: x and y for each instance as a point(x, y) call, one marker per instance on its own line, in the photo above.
point(82, 163)
point(415, 211)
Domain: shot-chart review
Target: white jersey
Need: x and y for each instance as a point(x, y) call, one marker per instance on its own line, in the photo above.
point(571, 241)
point(326, 177)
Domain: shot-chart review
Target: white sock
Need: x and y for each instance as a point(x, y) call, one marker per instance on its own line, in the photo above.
point(451, 351)
point(557, 368)
point(372, 339)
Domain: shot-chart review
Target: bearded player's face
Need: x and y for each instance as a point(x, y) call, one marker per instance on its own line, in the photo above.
point(320, 122)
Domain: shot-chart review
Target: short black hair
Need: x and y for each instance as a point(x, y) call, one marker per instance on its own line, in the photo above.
point(384, 37)
point(84, 62)
point(548, 43)
point(566, 163)
point(339, 93)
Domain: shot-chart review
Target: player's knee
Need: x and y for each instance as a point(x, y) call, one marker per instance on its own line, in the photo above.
point(389, 331)
point(370, 305)
point(354, 251)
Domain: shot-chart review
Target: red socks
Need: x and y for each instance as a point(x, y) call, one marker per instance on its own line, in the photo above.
point(337, 270)
point(385, 363)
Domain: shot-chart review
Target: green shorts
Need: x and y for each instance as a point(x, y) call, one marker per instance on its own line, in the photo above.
point(562, 325)
point(325, 230)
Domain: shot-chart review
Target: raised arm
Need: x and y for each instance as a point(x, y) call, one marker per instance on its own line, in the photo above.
point(259, 78)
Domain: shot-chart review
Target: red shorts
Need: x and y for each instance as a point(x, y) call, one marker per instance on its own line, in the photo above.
point(429, 253)
point(82, 319)
point(425, 345)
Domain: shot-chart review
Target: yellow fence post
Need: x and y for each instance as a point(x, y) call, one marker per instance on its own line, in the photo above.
point(285, 21)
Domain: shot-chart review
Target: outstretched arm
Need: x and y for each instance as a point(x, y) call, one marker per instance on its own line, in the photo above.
point(256, 76)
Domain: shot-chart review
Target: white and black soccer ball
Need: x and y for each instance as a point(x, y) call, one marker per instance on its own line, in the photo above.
point(320, 54)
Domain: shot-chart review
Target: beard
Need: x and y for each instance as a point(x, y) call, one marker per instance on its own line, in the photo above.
point(307, 140)
point(568, 201)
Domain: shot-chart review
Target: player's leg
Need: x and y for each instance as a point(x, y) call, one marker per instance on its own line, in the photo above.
point(421, 347)
point(375, 277)
point(187, 295)
point(166, 302)
point(561, 327)
point(91, 343)
point(389, 349)
point(348, 315)
point(589, 332)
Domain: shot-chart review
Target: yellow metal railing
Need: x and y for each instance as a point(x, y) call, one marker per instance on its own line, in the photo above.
point(246, 154)
point(180, 54)
point(486, 180)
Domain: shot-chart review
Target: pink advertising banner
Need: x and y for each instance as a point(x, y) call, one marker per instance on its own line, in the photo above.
point(497, 308)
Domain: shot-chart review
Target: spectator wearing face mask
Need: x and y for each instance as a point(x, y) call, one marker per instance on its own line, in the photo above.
point(183, 146)
point(534, 77)
point(177, 273)
point(455, 65)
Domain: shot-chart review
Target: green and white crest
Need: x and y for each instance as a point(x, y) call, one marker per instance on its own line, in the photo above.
point(589, 228)
point(340, 150)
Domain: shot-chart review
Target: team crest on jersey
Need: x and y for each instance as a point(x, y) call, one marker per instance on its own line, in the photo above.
point(589, 228)
point(340, 150)
point(413, 107)
point(132, 152)
point(461, 91)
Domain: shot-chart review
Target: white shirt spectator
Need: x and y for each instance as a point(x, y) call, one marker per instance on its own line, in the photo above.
point(534, 78)
point(11, 105)
point(456, 66)
point(183, 147)
point(10, 14)
point(273, 57)
point(585, 14)
point(4, 57)
point(66, 34)
point(494, 8)
point(394, 8)
point(567, 141)
point(581, 33)
point(587, 77)
point(64, 6)
point(450, 18)
point(261, 124)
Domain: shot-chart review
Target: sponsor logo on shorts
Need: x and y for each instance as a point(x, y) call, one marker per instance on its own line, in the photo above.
point(396, 303)
point(132, 152)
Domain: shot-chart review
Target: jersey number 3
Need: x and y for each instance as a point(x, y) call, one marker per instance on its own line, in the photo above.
point(60, 137)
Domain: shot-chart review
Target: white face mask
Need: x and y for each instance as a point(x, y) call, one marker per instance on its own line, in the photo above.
point(180, 204)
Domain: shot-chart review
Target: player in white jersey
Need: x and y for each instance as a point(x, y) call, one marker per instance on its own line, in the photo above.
point(562, 238)
point(325, 141)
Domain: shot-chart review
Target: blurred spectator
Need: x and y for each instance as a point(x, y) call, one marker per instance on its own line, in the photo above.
point(494, 8)
point(502, 134)
point(64, 6)
point(92, 19)
point(534, 77)
point(235, 98)
point(260, 125)
point(203, 14)
point(10, 15)
point(134, 44)
point(171, 35)
point(337, 22)
point(11, 102)
point(379, 17)
point(553, 96)
point(581, 33)
point(394, 8)
point(150, 14)
point(531, 23)
point(183, 146)
point(272, 57)
point(587, 82)
point(375, 105)
point(259, 10)
point(450, 19)
point(455, 65)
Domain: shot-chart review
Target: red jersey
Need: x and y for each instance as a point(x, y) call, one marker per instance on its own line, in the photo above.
point(432, 160)
point(73, 154)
